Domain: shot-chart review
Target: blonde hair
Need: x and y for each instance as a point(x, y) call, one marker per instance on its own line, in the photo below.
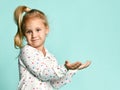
point(21, 15)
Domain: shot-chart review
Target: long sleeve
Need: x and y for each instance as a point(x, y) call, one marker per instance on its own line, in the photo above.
point(40, 66)
point(57, 83)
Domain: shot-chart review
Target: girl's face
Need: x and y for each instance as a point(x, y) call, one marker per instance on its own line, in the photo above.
point(35, 32)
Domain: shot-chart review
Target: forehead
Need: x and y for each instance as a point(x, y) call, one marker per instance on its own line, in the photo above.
point(34, 21)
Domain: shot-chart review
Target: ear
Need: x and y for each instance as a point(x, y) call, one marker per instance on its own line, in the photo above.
point(47, 30)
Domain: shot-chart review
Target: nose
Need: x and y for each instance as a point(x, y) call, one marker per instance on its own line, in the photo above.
point(33, 34)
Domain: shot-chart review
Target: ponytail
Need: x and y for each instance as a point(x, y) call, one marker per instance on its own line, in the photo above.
point(18, 39)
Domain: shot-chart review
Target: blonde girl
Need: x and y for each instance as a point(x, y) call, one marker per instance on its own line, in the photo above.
point(38, 68)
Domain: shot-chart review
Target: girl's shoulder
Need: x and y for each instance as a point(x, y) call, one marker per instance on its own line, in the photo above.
point(28, 51)
point(27, 48)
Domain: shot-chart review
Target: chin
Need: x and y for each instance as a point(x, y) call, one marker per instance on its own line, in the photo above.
point(37, 45)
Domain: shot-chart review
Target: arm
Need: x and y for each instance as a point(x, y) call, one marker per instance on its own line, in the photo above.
point(38, 66)
point(57, 83)
point(66, 79)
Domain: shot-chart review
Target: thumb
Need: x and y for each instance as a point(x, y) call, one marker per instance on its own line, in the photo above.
point(66, 62)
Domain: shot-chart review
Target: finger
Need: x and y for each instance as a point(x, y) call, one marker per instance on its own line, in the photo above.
point(85, 65)
point(82, 66)
point(88, 63)
point(75, 65)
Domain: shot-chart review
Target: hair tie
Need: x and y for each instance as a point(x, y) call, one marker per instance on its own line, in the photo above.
point(27, 9)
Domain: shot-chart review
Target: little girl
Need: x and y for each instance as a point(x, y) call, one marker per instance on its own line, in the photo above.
point(38, 68)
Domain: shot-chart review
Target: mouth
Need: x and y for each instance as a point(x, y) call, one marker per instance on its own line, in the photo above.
point(34, 40)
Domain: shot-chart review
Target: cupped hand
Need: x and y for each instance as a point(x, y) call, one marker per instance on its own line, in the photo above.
point(72, 66)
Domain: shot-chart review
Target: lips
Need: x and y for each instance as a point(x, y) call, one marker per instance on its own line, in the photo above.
point(34, 40)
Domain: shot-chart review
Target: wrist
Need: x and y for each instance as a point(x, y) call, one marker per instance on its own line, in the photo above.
point(66, 67)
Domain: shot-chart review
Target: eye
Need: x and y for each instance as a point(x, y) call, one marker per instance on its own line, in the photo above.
point(38, 29)
point(28, 31)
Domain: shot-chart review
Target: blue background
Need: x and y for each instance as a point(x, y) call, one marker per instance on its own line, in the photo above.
point(79, 30)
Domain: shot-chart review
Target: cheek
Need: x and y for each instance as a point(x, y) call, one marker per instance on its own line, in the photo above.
point(42, 34)
point(27, 38)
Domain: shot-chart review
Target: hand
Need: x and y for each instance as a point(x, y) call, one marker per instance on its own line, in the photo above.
point(72, 66)
point(85, 65)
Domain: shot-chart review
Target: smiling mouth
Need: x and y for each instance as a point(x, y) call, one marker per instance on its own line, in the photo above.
point(34, 40)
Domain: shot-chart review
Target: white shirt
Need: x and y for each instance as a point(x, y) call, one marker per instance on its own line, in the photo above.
point(39, 72)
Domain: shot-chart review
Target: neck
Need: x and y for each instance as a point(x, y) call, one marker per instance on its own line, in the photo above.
point(42, 49)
